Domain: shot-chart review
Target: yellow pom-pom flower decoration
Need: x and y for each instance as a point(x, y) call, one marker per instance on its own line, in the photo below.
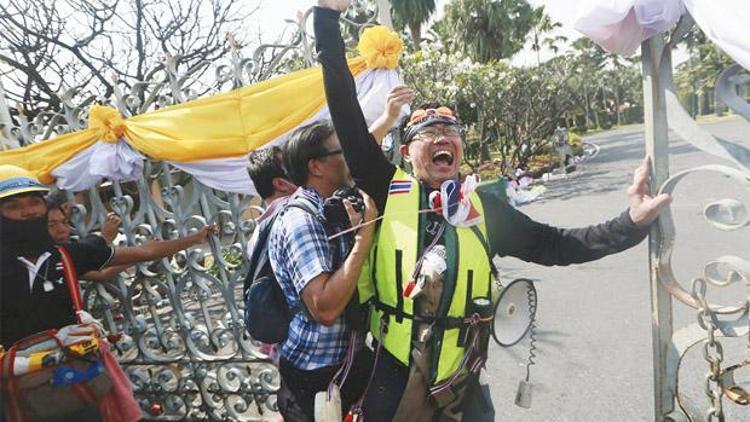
point(380, 47)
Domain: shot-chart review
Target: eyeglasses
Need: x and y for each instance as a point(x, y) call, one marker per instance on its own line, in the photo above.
point(327, 154)
point(419, 116)
point(431, 133)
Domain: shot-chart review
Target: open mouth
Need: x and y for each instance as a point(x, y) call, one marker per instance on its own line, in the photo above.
point(442, 157)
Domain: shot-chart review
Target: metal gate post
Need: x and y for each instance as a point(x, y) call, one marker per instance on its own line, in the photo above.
point(384, 13)
point(656, 133)
point(6, 141)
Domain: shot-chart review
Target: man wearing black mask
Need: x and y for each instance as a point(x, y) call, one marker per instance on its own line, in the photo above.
point(33, 293)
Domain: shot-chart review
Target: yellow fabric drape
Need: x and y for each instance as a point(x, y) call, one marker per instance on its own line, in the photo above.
point(231, 124)
point(42, 158)
point(220, 126)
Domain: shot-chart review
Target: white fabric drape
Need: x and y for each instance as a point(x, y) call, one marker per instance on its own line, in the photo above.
point(725, 23)
point(373, 86)
point(120, 162)
point(226, 174)
point(103, 160)
point(619, 26)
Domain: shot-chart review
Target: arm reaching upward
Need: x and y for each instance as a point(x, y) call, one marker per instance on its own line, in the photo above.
point(370, 168)
point(398, 97)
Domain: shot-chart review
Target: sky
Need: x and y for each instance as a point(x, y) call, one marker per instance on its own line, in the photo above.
point(270, 17)
point(563, 11)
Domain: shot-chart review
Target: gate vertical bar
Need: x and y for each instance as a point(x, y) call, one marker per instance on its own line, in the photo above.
point(656, 133)
point(6, 140)
point(384, 13)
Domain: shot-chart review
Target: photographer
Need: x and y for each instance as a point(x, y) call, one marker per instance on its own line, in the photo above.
point(319, 274)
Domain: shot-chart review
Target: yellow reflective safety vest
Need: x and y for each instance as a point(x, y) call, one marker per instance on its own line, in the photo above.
point(399, 242)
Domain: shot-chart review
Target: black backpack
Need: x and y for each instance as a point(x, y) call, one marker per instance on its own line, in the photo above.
point(267, 315)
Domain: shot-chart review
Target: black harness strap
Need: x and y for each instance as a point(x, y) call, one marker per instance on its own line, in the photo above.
point(486, 246)
point(399, 286)
point(463, 334)
point(446, 322)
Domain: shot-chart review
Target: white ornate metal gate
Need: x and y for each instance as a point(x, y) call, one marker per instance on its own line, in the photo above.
point(714, 321)
point(183, 341)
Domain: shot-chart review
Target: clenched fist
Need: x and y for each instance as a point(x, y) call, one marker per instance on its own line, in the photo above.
point(339, 5)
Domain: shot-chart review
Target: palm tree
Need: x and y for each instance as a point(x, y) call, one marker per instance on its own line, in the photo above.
point(412, 14)
point(486, 30)
point(592, 60)
point(543, 24)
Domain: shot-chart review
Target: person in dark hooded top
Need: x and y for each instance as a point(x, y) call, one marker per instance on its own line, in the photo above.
point(33, 293)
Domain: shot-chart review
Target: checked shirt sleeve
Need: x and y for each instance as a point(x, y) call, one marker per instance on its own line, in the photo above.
point(305, 252)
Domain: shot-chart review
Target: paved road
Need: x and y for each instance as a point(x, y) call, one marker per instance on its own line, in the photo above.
point(594, 357)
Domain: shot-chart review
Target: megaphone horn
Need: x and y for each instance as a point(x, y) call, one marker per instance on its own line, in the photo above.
point(514, 312)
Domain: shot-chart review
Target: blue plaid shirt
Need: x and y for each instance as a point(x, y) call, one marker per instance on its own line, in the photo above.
point(299, 251)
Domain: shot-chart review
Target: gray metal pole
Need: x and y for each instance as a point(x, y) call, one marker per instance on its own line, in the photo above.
point(655, 118)
point(384, 13)
point(5, 123)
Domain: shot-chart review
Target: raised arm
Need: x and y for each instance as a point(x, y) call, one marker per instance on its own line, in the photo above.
point(398, 97)
point(370, 168)
point(513, 233)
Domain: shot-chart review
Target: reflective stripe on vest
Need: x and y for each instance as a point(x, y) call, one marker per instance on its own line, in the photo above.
point(397, 245)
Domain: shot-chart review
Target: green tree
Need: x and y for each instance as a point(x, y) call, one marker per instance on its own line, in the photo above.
point(590, 60)
point(486, 30)
point(509, 110)
point(696, 78)
point(600, 78)
point(412, 14)
point(543, 24)
point(536, 101)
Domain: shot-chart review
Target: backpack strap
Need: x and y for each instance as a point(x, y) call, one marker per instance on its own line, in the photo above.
point(259, 261)
point(71, 279)
point(305, 204)
point(308, 206)
point(260, 251)
point(259, 257)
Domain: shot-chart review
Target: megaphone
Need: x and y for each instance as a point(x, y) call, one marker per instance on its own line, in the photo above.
point(515, 310)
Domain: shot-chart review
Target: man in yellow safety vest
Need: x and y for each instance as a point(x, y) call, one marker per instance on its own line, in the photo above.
point(485, 227)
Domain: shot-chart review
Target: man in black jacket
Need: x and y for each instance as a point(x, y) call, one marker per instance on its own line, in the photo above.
point(432, 145)
point(33, 295)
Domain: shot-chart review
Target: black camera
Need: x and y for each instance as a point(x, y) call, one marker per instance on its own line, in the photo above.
point(334, 210)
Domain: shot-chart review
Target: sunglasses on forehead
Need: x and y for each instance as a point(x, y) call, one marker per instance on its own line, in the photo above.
point(421, 115)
